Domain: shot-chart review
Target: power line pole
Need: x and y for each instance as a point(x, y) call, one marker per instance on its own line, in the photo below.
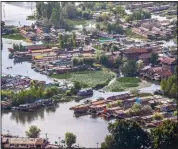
point(46, 135)
point(59, 140)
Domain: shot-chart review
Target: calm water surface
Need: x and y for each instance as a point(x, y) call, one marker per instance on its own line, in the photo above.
point(55, 122)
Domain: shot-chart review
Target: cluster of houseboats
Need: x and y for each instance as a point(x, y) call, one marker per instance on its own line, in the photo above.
point(35, 105)
point(16, 82)
point(119, 107)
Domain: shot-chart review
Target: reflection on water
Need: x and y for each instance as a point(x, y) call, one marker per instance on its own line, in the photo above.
point(29, 117)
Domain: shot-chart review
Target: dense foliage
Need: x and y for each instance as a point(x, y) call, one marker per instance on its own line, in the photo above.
point(70, 139)
point(166, 135)
point(127, 134)
point(138, 15)
point(170, 86)
point(154, 58)
point(33, 132)
point(129, 68)
point(35, 92)
point(58, 13)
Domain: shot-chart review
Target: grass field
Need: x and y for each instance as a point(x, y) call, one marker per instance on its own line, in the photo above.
point(121, 84)
point(88, 78)
point(15, 36)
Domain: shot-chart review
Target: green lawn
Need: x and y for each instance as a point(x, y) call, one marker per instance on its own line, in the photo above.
point(15, 36)
point(88, 78)
point(121, 84)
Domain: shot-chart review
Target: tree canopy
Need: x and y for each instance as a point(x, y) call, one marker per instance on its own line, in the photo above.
point(154, 58)
point(129, 68)
point(33, 132)
point(126, 135)
point(138, 15)
point(70, 139)
point(166, 135)
point(170, 86)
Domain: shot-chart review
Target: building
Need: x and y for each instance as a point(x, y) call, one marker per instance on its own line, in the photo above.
point(20, 142)
point(134, 53)
point(155, 73)
point(145, 57)
point(168, 63)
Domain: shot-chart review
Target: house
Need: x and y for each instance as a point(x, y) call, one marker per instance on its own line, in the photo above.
point(145, 57)
point(156, 73)
point(134, 53)
point(18, 142)
point(168, 63)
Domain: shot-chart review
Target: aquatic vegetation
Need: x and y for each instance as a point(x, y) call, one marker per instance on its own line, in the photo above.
point(123, 83)
point(88, 78)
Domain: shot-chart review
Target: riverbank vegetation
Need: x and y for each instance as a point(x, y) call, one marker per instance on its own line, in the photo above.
point(123, 83)
point(88, 78)
point(32, 17)
point(162, 137)
point(14, 36)
point(35, 92)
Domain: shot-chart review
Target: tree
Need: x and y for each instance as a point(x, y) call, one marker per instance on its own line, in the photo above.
point(77, 86)
point(74, 39)
point(158, 116)
point(117, 62)
point(86, 15)
point(61, 41)
point(129, 68)
point(70, 139)
point(165, 135)
point(70, 11)
point(126, 135)
point(88, 60)
point(33, 132)
point(170, 86)
point(33, 26)
point(140, 65)
point(108, 143)
point(55, 17)
point(84, 30)
point(154, 58)
point(104, 60)
point(98, 26)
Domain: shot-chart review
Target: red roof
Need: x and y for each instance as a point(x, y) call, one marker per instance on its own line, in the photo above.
point(161, 71)
point(167, 60)
point(145, 55)
point(136, 50)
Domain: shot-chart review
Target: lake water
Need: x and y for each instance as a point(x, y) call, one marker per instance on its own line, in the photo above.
point(55, 122)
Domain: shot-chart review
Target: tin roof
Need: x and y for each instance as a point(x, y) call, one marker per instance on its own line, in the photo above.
point(29, 141)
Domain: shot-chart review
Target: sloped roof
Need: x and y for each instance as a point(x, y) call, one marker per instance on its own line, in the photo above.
point(161, 71)
point(168, 60)
point(145, 55)
point(136, 50)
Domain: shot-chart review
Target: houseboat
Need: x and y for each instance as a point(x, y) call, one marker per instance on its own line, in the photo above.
point(85, 92)
point(81, 108)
